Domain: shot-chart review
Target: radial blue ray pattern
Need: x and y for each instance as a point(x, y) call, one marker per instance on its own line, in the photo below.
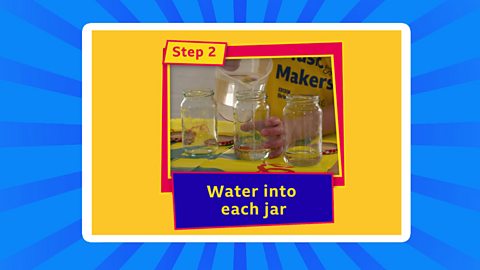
point(333, 12)
point(393, 256)
point(332, 256)
point(448, 76)
point(26, 225)
point(460, 46)
point(190, 256)
point(255, 257)
point(17, 196)
point(79, 13)
point(290, 257)
point(54, 107)
point(169, 10)
point(271, 12)
point(190, 10)
point(440, 16)
point(271, 255)
point(240, 8)
point(361, 10)
point(37, 15)
point(390, 9)
point(443, 253)
point(22, 165)
point(145, 11)
point(206, 261)
point(309, 257)
point(290, 10)
point(240, 256)
point(430, 210)
point(255, 12)
point(146, 257)
point(310, 10)
point(223, 10)
point(118, 11)
point(171, 255)
point(208, 12)
point(48, 54)
point(121, 255)
point(456, 161)
point(75, 257)
point(452, 134)
point(44, 249)
point(40, 136)
point(223, 257)
point(448, 192)
point(23, 74)
point(453, 104)
point(361, 257)
point(37, 134)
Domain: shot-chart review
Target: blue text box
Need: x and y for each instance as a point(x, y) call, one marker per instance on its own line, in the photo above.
point(194, 208)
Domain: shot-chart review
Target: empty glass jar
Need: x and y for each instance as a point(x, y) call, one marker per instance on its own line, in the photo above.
point(303, 130)
point(199, 122)
point(250, 112)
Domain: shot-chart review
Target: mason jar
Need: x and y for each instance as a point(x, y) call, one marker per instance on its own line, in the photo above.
point(302, 118)
point(199, 122)
point(249, 113)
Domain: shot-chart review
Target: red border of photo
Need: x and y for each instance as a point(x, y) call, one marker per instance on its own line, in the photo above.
point(275, 50)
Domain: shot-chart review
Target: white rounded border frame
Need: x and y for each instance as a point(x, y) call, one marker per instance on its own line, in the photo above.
point(87, 132)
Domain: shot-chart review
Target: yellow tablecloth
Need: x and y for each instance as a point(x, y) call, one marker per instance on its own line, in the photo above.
point(225, 160)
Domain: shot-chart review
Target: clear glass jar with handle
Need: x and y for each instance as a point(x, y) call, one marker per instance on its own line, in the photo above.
point(199, 122)
point(302, 118)
point(250, 112)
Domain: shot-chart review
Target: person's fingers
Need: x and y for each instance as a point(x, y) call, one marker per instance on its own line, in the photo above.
point(276, 142)
point(274, 127)
point(258, 125)
point(273, 121)
point(273, 131)
point(275, 153)
point(247, 126)
point(270, 127)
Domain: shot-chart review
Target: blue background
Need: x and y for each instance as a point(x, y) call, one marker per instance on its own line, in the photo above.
point(40, 136)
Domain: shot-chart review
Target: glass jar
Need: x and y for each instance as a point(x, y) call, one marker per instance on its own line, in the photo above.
point(249, 113)
point(302, 118)
point(199, 122)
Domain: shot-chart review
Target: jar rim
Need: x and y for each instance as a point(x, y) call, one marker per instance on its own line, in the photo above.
point(197, 92)
point(242, 95)
point(303, 98)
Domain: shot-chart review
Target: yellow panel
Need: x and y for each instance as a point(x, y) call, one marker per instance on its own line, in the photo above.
point(127, 122)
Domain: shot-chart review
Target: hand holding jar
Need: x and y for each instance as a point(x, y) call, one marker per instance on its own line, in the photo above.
point(273, 130)
point(298, 136)
point(250, 113)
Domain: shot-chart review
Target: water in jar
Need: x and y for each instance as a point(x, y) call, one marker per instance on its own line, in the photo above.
point(303, 131)
point(250, 113)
